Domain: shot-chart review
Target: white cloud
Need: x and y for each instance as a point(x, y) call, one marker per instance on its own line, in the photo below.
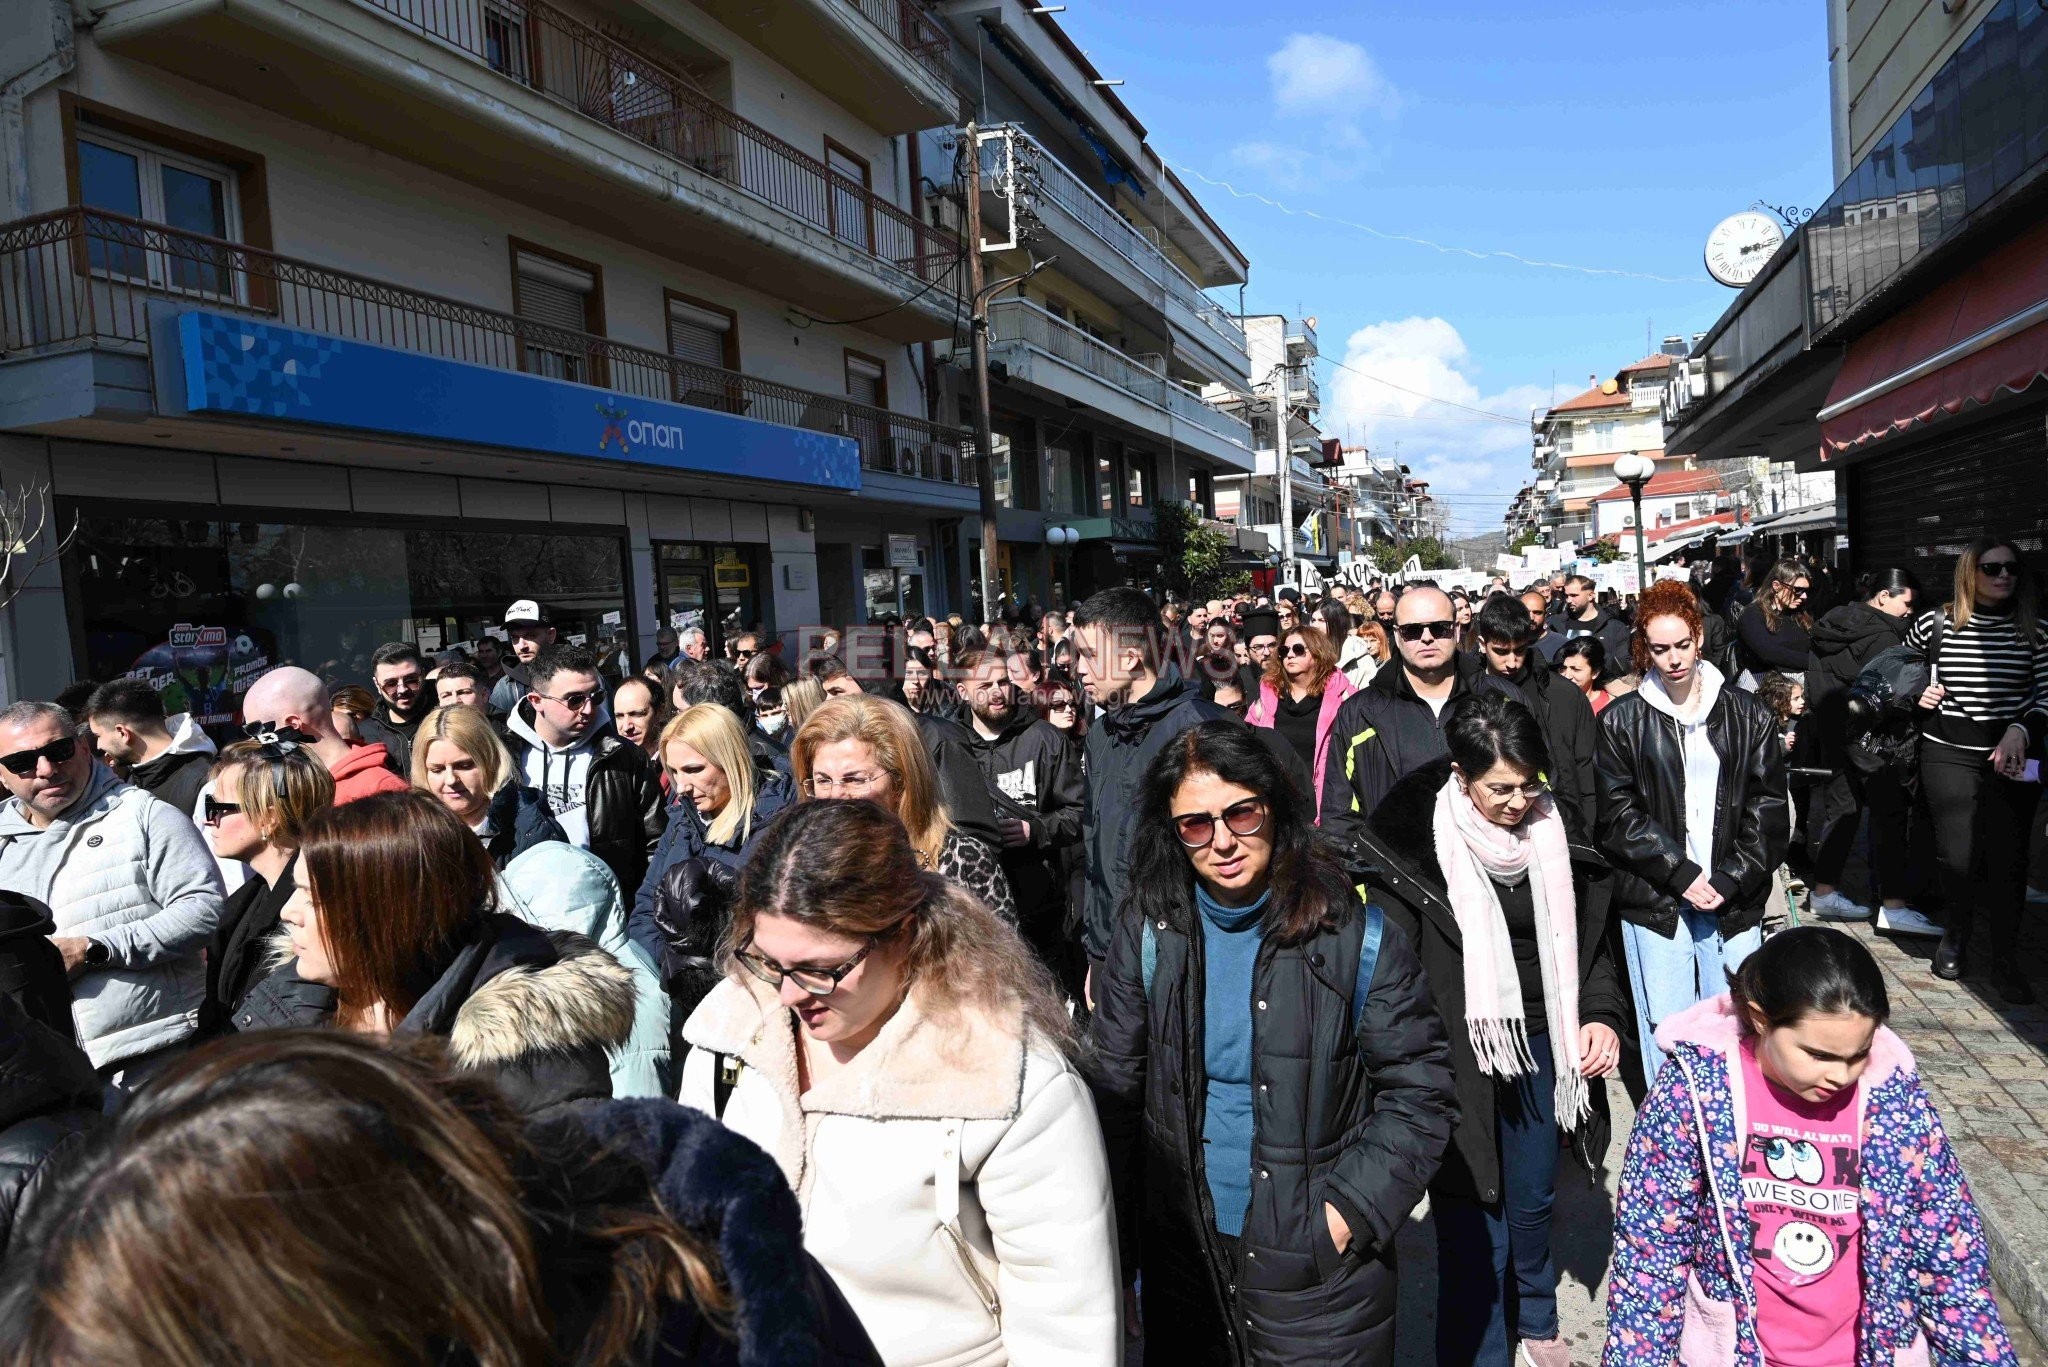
point(1478, 462)
point(1313, 73)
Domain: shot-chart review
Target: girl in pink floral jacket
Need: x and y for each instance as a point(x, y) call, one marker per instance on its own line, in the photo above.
point(1789, 1198)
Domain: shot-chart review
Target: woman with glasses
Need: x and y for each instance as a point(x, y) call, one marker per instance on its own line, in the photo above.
point(1299, 695)
point(1693, 816)
point(459, 761)
point(864, 747)
point(256, 810)
point(1275, 1080)
point(905, 1058)
point(1985, 716)
point(1513, 936)
point(1774, 634)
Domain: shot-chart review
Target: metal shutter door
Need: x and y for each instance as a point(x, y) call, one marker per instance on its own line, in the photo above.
point(697, 335)
point(1918, 507)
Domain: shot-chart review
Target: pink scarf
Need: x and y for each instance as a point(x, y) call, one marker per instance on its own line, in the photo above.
point(1476, 855)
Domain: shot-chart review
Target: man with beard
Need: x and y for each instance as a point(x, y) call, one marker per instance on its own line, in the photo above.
point(1034, 779)
point(530, 634)
point(1583, 616)
point(399, 674)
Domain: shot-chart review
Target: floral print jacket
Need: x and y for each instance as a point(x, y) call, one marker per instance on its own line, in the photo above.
point(1683, 1288)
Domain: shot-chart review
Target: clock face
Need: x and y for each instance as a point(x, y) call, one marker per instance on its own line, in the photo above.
point(1740, 245)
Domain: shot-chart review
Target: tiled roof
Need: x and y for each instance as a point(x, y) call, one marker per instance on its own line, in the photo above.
point(1593, 398)
point(1657, 362)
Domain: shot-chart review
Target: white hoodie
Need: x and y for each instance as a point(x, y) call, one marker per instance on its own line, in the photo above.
point(561, 773)
point(1702, 761)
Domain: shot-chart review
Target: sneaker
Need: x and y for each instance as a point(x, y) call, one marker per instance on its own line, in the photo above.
point(2035, 895)
point(1545, 1353)
point(1836, 906)
point(1905, 921)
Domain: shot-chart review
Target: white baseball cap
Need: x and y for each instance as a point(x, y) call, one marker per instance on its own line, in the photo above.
point(523, 611)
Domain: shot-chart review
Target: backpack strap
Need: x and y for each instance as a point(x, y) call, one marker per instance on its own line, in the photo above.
point(1368, 962)
point(725, 1076)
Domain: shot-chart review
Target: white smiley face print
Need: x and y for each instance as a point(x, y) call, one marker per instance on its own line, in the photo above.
point(1793, 1160)
point(1802, 1249)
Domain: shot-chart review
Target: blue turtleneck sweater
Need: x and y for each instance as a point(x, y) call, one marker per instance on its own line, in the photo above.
point(1230, 949)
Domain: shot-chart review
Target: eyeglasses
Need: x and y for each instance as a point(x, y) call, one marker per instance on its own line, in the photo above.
point(852, 785)
point(1197, 830)
point(745, 654)
point(1296, 648)
point(214, 811)
point(1438, 631)
point(575, 702)
point(22, 763)
point(1501, 792)
point(819, 982)
point(1998, 569)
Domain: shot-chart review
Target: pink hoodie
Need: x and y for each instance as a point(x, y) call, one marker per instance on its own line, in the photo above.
point(1335, 690)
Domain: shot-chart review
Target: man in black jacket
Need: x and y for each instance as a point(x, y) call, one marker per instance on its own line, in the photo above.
point(132, 734)
point(1507, 642)
point(1034, 780)
point(1583, 616)
point(1116, 655)
point(400, 674)
point(1395, 724)
point(605, 793)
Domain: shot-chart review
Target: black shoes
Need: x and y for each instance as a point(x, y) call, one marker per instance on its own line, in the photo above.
point(2012, 984)
point(1948, 955)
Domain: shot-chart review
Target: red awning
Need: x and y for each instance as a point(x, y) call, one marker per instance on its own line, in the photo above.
point(1984, 332)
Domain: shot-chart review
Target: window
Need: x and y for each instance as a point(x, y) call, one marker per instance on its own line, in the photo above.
point(1137, 480)
point(139, 180)
point(1105, 480)
point(705, 335)
point(1063, 481)
point(561, 296)
point(866, 382)
point(1681, 511)
point(848, 196)
point(505, 41)
point(1202, 494)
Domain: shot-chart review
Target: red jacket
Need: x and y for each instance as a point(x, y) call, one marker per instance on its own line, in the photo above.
point(363, 773)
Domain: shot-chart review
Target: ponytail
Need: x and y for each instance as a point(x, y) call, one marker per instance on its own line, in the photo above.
point(1807, 971)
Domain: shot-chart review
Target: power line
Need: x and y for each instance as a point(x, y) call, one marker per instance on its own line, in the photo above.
point(1449, 403)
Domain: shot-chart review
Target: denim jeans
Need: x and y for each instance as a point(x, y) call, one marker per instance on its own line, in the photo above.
point(1494, 1267)
point(1667, 974)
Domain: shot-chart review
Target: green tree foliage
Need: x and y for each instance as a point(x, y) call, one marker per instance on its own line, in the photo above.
point(1193, 556)
point(1389, 556)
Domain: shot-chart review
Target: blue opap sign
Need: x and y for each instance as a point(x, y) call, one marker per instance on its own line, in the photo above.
point(252, 369)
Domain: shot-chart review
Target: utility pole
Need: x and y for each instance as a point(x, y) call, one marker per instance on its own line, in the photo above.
point(984, 432)
point(1283, 463)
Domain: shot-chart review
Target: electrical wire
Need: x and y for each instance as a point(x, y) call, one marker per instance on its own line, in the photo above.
point(1449, 403)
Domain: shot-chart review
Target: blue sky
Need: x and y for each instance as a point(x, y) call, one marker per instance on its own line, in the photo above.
point(1602, 135)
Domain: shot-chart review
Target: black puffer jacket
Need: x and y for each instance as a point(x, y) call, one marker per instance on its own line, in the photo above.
point(1358, 1120)
point(1641, 764)
point(50, 1100)
point(1409, 883)
point(1846, 639)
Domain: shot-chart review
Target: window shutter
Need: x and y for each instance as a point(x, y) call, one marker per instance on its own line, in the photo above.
point(864, 382)
point(553, 293)
point(696, 334)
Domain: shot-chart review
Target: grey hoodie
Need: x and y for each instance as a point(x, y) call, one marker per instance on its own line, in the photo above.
point(134, 874)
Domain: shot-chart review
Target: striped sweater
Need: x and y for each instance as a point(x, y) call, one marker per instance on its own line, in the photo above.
point(1992, 678)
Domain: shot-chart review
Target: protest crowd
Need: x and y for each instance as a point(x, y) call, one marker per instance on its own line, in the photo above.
point(1103, 983)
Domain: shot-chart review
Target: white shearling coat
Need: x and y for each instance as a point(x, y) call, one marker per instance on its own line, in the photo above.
point(1026, 1273)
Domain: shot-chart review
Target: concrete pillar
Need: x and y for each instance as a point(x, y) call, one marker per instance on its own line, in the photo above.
point(35, 634)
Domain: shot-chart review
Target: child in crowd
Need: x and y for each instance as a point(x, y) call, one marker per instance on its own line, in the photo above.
point(1789, 1195)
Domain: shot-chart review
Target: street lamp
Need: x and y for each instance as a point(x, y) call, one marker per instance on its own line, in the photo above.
point(1062, 537)
point(1635, 470)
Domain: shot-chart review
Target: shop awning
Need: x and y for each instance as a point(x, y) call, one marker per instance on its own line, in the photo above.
point(1982, 333)
point(1799, 520)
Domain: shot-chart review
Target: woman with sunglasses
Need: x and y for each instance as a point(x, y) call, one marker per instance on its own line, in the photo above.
point(1299, 695)
point(864, 747)
point(256, 811)
point(1059, 700)
point(1512, 931)
point(905, 1058)
point(1275, 1080)
point(1985, 716)
point(1775, 633)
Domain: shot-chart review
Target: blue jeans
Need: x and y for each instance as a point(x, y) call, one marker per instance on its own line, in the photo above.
point(1493, 1260)
point(1667, 974)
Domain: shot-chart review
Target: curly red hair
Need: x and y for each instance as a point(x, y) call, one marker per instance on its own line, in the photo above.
point(1667, 598)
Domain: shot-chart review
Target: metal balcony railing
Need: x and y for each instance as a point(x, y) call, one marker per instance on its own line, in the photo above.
point(916, 28)
point(1018, 320)
point(1301, 335)
point(1060, 185)
point(588, 70)
point(84, 276)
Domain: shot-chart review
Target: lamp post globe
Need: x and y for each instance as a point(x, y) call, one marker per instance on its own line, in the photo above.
point(1635, 470)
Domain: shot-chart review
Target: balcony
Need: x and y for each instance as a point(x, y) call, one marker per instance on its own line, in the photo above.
point(1112, 255)
point(553, 112)
point(82, 281)
point(887, 61)
point(1050, 354)
point(1301, 340)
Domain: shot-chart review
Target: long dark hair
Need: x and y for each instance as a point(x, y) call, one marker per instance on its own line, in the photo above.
point(1808, 971)
point(1786, 572)
point(1311, 891)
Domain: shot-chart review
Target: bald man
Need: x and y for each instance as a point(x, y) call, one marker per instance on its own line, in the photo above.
point(293, 697)
point(1395, 724)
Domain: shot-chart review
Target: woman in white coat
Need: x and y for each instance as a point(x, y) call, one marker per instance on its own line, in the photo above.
point(906, 1060)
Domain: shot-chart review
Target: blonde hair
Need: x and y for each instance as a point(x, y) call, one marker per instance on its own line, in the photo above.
point(1961, 607)
point(800, 698)
point(712, 731)
point(888, 729)
point(469, 731)
point(278, 790)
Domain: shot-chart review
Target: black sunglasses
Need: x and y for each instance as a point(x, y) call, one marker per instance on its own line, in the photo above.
point(1415, 631)
point(1197, 830)
point(216, 810)
point(22, 763)
point(575, 702)
point(1296, 648)
point(1999, 569)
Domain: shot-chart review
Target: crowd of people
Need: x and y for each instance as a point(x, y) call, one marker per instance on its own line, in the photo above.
point(1019, 991)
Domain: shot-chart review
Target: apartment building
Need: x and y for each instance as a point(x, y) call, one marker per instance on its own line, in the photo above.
point(1577, 442)
point(336, 321)
point(1282, 401)
point(1099, 359)
point(1375, 488)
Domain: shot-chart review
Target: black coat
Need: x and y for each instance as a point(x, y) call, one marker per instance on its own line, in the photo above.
point(1641, 766)
point(1569, 732)
point(1408, 882)
point(1384, 732)
point(1358, 1120)
point(1844, 640)
point(1760, 650)
point(622, 796)
point(1120, 745)
point(395, 736)
point(175, 777)
point(241, 942)
point(960, 783)
point(50, 1101)
point(519, 820)
point(1612, 632)
point(1033, 773)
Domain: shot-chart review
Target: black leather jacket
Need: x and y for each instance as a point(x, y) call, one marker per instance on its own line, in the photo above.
point(1640, 765)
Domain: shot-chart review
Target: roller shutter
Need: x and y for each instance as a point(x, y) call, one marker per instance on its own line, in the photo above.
point(1917, 507)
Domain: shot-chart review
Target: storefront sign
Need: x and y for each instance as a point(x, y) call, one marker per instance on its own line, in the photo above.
point(245, 368)
point(902, 552)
